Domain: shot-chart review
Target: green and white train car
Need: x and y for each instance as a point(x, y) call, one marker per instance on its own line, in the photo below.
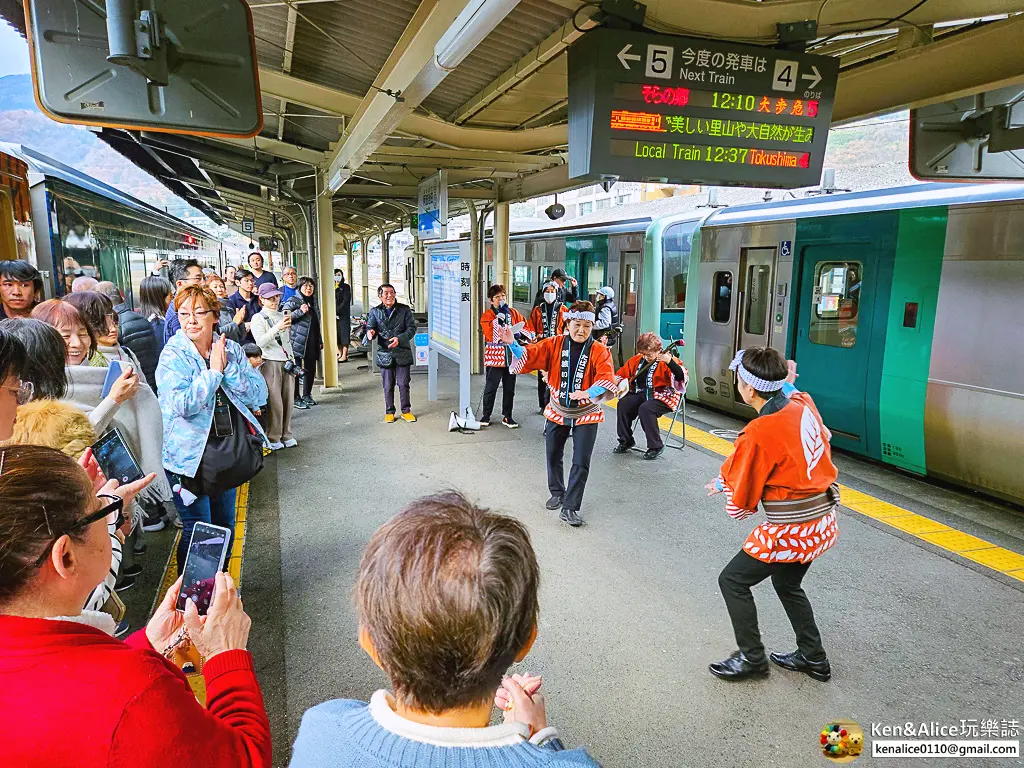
point(902, 307)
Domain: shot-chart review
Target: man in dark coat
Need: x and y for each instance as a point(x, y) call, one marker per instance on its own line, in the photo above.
point(395, 327)
point(133, 331)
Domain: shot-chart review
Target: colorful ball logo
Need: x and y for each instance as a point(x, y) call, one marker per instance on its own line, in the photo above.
point(841, 741)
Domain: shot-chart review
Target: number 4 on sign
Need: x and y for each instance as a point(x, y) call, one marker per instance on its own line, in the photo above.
point(785, 75)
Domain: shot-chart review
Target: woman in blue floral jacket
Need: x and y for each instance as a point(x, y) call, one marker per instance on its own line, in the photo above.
point(193, 367)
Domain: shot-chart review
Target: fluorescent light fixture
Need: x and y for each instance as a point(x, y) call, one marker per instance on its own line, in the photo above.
point(477, 20)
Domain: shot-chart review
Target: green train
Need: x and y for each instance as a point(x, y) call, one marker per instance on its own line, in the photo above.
point(902, 308)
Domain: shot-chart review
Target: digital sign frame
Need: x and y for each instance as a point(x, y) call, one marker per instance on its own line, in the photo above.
point(648, 107)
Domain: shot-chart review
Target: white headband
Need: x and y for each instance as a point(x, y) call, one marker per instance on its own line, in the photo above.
point(761, 385)
point(589, 316)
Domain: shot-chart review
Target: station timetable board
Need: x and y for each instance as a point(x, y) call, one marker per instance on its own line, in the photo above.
point(684, 110)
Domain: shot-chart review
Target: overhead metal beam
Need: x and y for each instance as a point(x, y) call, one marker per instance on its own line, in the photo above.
point(465, 154)
point(337, 102)
point(382, 192)
point(279, 149)
point(543, 183)
point(755, 21)
point(991, 56)
point(286, 65)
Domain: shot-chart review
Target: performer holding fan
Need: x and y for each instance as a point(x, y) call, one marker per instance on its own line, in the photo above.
point(782, 461)
point(579, 375)
point(650, 385)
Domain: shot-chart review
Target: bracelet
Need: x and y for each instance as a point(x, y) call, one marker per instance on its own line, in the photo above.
point(181, 638)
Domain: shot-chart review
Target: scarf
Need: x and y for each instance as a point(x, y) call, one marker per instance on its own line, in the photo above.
point(648, 388)
point(139, 420)
point(547, 312)
point(564, 388)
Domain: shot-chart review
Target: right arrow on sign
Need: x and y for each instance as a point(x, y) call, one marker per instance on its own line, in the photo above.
point(815, 78)
point(624, 54)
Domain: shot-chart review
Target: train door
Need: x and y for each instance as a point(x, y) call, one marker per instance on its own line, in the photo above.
point(836, 296)
point(753, 326)
point(628, 296)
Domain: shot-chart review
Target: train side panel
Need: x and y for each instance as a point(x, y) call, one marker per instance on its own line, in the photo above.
point(974, 405)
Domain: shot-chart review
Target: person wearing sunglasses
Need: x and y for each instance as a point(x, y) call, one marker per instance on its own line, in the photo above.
point(72, 693)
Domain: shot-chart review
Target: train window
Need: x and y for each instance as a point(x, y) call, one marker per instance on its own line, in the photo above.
point(522, 283)
point(676, 246)
point(629, 310)
point(756, 315)
point(836, 303)
point(721, 297)
point(594, 279)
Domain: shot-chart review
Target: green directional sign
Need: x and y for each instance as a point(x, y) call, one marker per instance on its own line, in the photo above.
point(645, 107)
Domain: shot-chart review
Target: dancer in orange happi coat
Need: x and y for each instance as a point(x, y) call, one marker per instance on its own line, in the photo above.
point(579, 376)
point(497, 356)
point(783, 461)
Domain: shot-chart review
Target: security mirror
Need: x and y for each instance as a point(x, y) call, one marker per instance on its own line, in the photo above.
point(182, 66)
point(975, 138)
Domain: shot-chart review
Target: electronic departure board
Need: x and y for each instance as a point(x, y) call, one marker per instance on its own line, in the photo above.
point(646, 107)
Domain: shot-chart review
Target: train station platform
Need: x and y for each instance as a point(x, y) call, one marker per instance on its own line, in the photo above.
point(631, 613)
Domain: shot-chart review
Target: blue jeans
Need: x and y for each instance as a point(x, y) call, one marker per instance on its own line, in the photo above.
point(218, 510)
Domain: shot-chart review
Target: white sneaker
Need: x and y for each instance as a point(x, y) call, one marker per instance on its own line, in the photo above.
point(291, 443)
point(276, 446)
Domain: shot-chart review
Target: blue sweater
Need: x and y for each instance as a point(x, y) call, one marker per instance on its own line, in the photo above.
point(345, 733)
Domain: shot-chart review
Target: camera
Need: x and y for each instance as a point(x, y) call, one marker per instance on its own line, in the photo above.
point(290, 367)
point(555, 211)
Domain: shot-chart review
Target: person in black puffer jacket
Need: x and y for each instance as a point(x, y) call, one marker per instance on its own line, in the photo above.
point(395, 327)
point(305, 338)
point(133, 331)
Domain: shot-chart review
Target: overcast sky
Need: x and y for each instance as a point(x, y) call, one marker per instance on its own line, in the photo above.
point(13, 52)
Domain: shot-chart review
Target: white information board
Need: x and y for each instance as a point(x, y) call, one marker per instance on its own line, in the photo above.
point(448, 315)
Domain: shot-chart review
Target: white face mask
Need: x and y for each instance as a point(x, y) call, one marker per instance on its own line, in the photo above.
point(549, 298)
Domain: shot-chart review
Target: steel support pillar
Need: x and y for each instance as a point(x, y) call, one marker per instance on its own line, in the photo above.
point(475, 272)
point(502, 270)
point(325, 259)
point(385, 257)
point(364, 255)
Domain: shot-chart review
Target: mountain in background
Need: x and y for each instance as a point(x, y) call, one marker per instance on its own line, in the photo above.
point(21, 122)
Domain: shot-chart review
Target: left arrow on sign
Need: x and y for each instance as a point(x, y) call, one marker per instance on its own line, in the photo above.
point(814, 78)
point(623, 55)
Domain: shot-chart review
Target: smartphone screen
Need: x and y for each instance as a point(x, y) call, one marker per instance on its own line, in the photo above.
point(115, 459)
point(206, 554)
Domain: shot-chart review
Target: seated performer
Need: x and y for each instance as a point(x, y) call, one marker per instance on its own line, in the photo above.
point(650, 385)
point(782, 461)
point(547, 320)
point(497, 357)
point(580, 375)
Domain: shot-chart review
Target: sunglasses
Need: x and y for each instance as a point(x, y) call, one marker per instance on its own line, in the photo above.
point(113, 513)
point(23, 392)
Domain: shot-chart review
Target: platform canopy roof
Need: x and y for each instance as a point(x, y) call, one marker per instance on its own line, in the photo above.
point(330, 71)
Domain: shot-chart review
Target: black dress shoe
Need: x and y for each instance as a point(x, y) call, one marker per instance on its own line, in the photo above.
point(623, 447)
point(797, 662)
point(654, 453)
point(738, 667)
point(132, 570)
point(553, 503)
point(571, 516)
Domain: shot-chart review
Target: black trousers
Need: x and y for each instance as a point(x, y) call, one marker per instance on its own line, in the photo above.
point(583, 438)
point(735, 581)
point(304, 383)
point(633, 405)
point(543, 393)
point(507, 380)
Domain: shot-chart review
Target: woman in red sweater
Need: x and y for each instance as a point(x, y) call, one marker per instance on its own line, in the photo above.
point(70, 694)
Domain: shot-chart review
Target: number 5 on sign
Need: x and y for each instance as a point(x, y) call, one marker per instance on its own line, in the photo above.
point(785, 75)
point(659, 61)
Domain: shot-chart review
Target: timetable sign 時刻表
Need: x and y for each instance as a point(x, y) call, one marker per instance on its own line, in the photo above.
point(684, 110)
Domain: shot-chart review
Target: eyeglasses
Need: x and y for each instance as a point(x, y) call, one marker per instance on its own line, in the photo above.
point(113, 513)
point(199, 315)
point(23, 392)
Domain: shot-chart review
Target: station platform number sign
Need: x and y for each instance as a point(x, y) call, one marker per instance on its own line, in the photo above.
point(692, 111)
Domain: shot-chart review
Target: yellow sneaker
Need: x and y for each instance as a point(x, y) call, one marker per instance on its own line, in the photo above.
point(389, 418)
point(408, 417)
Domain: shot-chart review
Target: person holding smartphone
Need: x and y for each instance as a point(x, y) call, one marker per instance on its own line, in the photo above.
point(199, 373)
point(61, 661)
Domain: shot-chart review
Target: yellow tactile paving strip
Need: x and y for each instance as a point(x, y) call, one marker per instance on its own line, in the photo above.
point(963, 544)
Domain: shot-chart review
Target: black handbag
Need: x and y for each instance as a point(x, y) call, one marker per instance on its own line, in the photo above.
point(384, 358)
point(229, 460)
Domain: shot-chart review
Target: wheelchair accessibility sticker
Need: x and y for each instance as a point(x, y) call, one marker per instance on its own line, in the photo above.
point(787, 248)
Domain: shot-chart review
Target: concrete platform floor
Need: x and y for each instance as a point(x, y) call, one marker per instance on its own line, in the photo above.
point(630, 608)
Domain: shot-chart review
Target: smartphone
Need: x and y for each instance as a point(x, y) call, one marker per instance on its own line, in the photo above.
point(115, 458)
point(113, 374)
point(206, 555)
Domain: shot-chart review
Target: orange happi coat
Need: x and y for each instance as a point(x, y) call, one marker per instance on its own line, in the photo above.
point(666, 387)
point(782, 456)
point(494, 349)
point(546, 355)
point(536, 324)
